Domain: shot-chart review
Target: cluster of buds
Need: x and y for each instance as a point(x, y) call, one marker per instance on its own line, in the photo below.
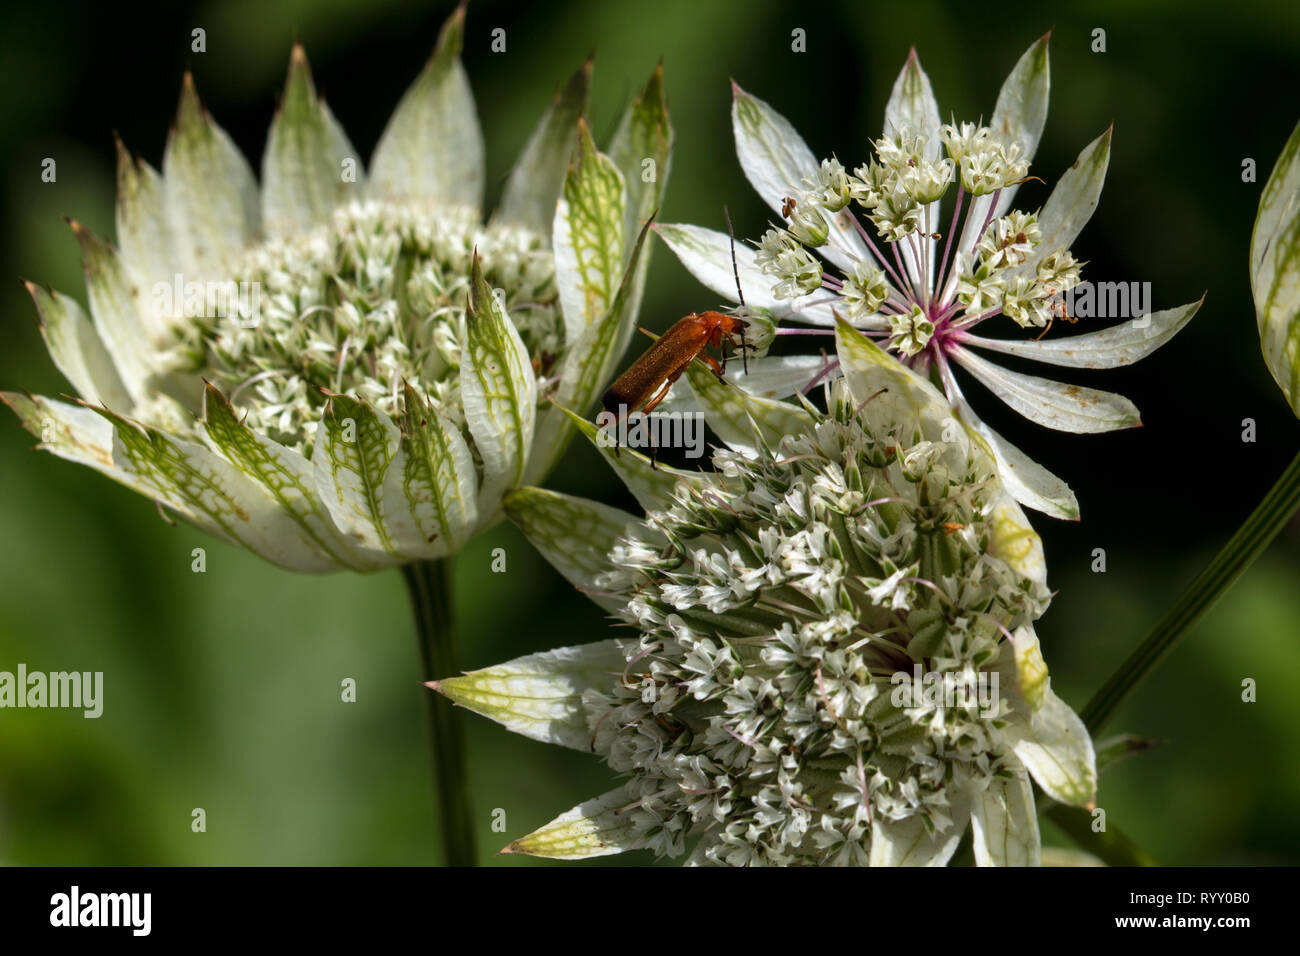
point(371, 303)
point(898, 191)
point(757, 710)
point(832, 657)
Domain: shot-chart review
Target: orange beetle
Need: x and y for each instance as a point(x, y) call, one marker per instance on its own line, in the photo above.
point(647, 380)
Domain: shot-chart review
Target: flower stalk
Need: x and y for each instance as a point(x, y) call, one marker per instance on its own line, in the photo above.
point(430, 587)
point(1237, 555)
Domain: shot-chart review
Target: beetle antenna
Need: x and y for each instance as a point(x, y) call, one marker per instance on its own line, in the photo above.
point(740, 294)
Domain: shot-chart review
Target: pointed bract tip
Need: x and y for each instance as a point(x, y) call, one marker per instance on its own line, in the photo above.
point(509, 848)
point(127, 165)
point(188, 104)
point(432, 685)
point(297, 55)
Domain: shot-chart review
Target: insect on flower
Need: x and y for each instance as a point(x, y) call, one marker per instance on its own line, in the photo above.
point(648, 380)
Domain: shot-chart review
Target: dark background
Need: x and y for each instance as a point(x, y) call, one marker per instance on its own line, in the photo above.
point(222, 690)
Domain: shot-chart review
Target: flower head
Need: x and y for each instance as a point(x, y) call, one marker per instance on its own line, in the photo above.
point(347, 368)
point(877, 247)
point(832, 659)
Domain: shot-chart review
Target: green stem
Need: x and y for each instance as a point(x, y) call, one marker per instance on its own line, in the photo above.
point(1110, 846)
point(1237, 555)
point(429, 583)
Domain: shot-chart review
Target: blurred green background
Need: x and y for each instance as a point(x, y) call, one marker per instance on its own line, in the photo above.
point(222, 689)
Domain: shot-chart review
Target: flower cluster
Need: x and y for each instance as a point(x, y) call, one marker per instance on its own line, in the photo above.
point(345, 366)
point(371, 302)
point(757, 710)
point(833, 657)
point(878, 246)
point(897, 191)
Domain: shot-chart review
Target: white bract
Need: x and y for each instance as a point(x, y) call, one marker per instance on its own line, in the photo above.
point(342, 368)
point(1275, 271)
point(875, 246)
point(765, 708)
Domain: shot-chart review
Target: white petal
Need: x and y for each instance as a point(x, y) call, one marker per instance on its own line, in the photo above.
point(1004, 823)
point(1275, 271)
point(432, 148)
point(439, 480)
point(1015, 541)
point(115, 303)
point(1072, 202)
point(1021, 111)
point(891, 395)
point(573, 534)
point(707, 255)
point(188, 479)
point(588, 366)
point(1117, 346)
point(590, 246)
point(1028, 482)
point(641, 148)
point(498, 390)
point(913, 108)
point(908, 843)
point(594, 828)
point(1064, 407)
point(540, 695)
point(741, 418)
point(359, 466)
point(1063, 856)
point(288, 477)
point(776, 376)
point(306, 156)
point(211, 196)
point(77, 350)
point(651, 484)
point(1047, 736)
point(776, 159)
point(144, 233)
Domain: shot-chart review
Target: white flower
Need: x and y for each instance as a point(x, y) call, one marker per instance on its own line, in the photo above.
point(764, 709)
point(960, 269)
point(342, 368)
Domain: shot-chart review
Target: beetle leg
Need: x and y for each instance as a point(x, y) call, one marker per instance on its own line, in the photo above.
point(659, 396)
point(650, 407)
point(712, 363)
